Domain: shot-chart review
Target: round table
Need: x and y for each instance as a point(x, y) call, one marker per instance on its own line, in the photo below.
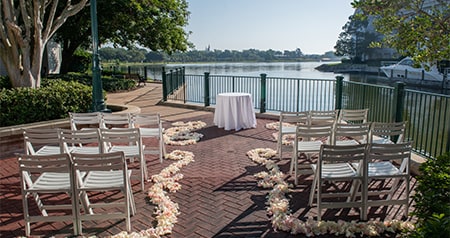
point(234, 111)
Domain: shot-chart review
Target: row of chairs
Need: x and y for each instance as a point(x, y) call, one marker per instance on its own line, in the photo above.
point(149, 124)
point(387, 165)
point(62, 186)
point(288, 121)
point(88, 141)
point(309, 137)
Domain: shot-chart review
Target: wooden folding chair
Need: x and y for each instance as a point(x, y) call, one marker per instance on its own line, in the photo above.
point(288, 122)
point(150, 126)
point(105, 172)
point(48, 178)
point(335, 166)
point(308, 140)
point(129, 141)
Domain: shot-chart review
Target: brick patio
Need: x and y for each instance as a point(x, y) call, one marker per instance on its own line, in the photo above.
point(218, 198)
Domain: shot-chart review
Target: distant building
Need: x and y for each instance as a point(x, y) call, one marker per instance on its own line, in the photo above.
point(384, 53)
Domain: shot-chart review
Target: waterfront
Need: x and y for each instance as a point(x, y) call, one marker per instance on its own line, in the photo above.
point(304, 70)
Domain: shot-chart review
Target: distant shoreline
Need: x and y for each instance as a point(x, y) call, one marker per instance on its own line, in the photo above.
point(348, 68)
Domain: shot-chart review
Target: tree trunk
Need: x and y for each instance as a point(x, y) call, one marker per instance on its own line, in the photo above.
point(22, 42)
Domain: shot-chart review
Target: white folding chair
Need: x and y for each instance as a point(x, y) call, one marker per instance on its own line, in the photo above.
point(129, 141)
point(80, 120)
point(115, 120)
point(288, 122)
point(350, 134)
point(323, 117)
point(308, 140)
point(387, 132)
point(42, 141)
point(389, 164)
point(48, 178)
point(352, 116)
point(335, 167)
point(106, 173)
point(85, 141)
point(150, 126)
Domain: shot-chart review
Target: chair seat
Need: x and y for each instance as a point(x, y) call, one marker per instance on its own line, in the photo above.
point(104, 179)
point(48, 150)
point(346, 142)
point(51, 181)
point(338, 170)
point(86, 150)
point(128, 150)
point(381, 140)
point(384, 168)
point(309, 146)
point(288, 129)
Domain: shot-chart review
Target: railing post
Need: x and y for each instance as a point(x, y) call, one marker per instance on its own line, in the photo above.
point(339, 86)
point(206, 83)
point(129, 69)
point(170, 82)
point(262, 105)
point(145, 73)
point(399, 95)
point(164, 84)
point(183, 81)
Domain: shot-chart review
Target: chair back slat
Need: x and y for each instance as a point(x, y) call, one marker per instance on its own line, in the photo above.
point(353, 116)
point(78, 120)
point(308, 132)
point(393, 132)
point(36, 140)
point(113, 120)
point(323, 117)
point(358, 132)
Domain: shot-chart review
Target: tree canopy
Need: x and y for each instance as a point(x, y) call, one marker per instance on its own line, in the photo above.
point(25, 29)
point(154, 24)
point(416, 28)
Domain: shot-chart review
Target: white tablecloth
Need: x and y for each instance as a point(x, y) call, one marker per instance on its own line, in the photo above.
point(234, 111)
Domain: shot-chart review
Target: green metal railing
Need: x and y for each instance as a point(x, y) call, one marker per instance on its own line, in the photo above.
point(427, 114)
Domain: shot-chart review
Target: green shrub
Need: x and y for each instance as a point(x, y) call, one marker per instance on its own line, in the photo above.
point(109, 83)
point(52, 101)
point(433, 198)
point(81, 61)
point(5, 82)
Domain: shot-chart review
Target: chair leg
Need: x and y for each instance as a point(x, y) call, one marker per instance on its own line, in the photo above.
point(162, 150)
point(353, 190)
point(313, 189)
point(291, 168)
point(296, 169)
point(26, 214)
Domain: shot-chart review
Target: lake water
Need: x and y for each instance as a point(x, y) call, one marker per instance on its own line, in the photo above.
point(305, 70)
point(272, 69)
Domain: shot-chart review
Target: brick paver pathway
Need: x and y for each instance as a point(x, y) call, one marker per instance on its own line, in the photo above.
point(218, 198)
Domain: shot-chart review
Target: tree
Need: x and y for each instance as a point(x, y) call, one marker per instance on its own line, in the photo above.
point(154, 24)
point(416, 28)
point(355, 39)
point(25, 29)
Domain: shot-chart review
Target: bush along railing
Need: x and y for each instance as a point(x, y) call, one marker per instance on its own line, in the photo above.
point(426, 113)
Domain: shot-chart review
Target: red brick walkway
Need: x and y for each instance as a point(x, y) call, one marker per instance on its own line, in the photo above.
point(218, 198)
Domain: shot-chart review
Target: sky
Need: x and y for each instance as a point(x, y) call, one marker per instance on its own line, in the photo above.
point(311, 25)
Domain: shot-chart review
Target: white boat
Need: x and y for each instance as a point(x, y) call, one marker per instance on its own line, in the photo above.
point(404, 69)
